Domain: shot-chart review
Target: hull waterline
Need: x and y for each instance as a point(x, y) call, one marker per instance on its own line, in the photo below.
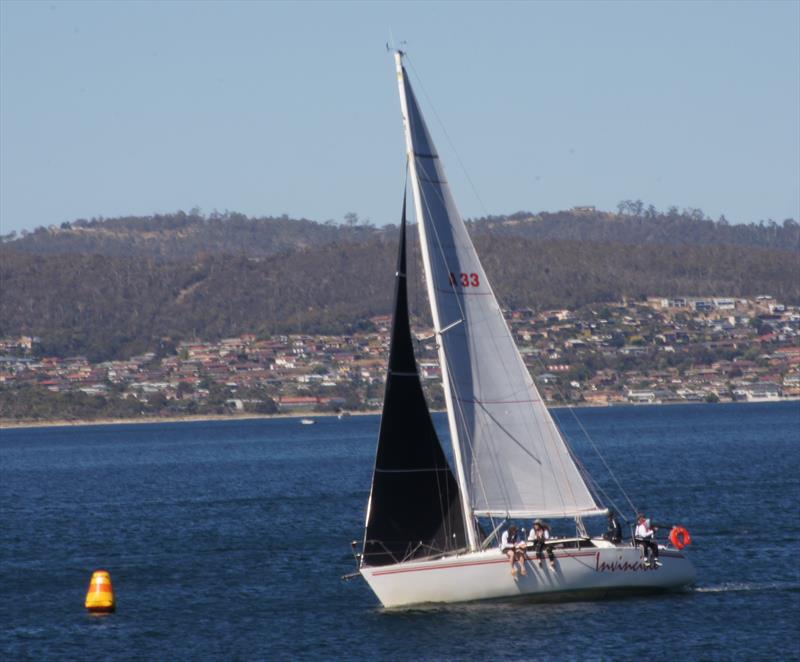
point(486, 575)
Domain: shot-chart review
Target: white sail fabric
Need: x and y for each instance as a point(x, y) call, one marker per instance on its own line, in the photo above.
point(515, 460)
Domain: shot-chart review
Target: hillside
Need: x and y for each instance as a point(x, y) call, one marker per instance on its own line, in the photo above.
point(181, 235)
point(105, 306)
point(673, 228)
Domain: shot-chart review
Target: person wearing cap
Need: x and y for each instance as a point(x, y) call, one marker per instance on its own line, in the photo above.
point(645, 537)
point(513, 546)
point(538, 537)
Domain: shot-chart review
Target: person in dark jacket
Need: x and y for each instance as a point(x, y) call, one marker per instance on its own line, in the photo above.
point(614, 532)
point(537, 539)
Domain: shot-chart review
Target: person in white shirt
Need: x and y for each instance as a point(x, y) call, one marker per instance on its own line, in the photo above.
point(539, 535)
point(645, 537)
point(513, 546)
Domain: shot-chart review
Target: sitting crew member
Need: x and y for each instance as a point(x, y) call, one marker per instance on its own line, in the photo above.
point(645, 536)
point(614, 532)
point(513, 546)
point(539, 535)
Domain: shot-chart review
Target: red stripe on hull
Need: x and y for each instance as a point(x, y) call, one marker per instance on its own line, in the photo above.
point(494, 562)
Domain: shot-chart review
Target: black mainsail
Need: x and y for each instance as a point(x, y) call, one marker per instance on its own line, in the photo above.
point(414, 509)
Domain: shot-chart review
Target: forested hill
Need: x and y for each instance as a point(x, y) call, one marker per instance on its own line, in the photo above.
point(633, 225)
point(182, 235)
point(114, 307)
point(185, 235)
point(115, 287)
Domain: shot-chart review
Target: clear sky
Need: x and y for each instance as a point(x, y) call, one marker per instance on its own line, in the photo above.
point(268, 108)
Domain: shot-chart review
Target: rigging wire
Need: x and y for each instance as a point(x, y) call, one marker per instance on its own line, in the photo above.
point(596, 450)
point(429, 101)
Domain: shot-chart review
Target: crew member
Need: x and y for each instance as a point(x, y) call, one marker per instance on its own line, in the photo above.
point(538, 537)
point(614, 532)
point(645, 535)
point(513, 546)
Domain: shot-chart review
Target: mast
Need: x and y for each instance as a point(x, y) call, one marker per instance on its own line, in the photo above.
point(466, 506)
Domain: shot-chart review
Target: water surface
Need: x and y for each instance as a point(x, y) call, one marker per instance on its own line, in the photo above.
point(228, 540)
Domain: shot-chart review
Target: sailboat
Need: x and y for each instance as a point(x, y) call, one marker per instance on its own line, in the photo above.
point(432, 528)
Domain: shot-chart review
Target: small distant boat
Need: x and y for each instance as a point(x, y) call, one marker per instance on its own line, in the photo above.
point(343, 414)
point(307, 421)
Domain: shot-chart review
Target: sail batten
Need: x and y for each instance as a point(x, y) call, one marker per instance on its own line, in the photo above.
point(510, 456)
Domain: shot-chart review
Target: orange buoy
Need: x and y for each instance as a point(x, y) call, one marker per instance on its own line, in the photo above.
point(679, 537)
point(100, 598)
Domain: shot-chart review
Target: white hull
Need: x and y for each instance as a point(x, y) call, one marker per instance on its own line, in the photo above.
point(487, 575)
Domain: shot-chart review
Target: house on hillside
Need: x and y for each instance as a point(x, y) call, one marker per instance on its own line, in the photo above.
point(641, 396)
point(297, 403)
point(757, 392)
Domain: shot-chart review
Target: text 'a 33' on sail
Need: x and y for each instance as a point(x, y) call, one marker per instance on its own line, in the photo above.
point(515, 461)
point(414, 507)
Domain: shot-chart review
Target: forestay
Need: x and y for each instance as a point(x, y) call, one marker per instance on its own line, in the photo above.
point(515, 461)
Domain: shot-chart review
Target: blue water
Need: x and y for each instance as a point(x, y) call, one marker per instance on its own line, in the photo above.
point(228, 540)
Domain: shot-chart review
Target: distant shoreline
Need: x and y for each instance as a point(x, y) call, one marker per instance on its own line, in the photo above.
point(6, 424)
point(59, 423)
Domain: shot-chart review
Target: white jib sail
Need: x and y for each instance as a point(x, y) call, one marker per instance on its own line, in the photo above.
point(511, 457)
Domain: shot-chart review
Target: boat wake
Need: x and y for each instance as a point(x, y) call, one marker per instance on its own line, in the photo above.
point(739, 587)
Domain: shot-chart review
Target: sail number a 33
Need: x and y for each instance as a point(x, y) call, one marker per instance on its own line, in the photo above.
point(465, 280)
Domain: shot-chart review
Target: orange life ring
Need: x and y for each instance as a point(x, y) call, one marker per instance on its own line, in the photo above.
point(679, 537)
